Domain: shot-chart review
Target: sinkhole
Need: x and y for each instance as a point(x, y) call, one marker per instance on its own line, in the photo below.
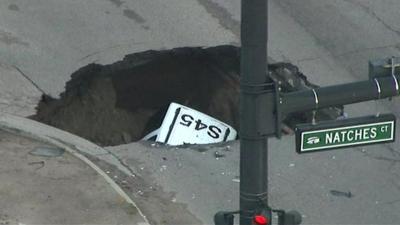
point(122, 102)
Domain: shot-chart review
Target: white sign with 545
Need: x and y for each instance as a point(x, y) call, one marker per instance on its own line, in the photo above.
point(183, 125)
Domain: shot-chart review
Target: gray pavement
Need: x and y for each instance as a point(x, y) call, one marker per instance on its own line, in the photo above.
point(60, 189)
point(330, 40)
point(48, 40)
point(308, 183)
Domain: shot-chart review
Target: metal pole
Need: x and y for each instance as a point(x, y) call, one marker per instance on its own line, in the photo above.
point(256, 121)
point(258, 103)
point(378, 88)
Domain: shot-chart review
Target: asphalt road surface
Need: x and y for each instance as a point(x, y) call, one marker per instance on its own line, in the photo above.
point(330, 40)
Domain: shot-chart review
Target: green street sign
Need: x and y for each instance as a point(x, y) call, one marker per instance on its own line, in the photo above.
point(345, 133)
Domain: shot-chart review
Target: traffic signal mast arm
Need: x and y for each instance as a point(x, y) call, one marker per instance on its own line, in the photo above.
point(377, 88)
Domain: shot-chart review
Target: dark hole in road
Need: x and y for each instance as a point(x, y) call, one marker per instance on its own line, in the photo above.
point(121, 102)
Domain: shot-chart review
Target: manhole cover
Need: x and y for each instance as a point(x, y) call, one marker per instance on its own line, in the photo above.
point(47, 151)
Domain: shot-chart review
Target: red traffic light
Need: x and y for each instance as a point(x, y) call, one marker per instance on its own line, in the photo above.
point(260, 220)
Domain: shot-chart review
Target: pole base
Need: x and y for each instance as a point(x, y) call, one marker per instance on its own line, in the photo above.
point(284, 218)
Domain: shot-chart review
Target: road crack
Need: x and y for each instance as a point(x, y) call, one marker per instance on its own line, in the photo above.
point(224, 17)
point(29, 79)
point(123, 164)
point(369, 11)
point(393, 161)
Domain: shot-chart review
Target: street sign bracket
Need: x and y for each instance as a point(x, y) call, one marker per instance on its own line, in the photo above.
point(278, 111)
point(385, 67)
point(264, 94)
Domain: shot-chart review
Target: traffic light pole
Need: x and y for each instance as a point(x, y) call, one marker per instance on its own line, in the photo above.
point(257, 89)
point(262, 108)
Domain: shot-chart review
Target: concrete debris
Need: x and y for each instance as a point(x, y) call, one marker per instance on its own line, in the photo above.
point(40, 164)
point(341, 194)
point(236, 180)
point(218, 155)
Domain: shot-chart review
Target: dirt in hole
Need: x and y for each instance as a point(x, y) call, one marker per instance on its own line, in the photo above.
point(122, 102)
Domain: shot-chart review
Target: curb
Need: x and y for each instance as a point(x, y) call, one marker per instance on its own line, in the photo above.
point(71, 143)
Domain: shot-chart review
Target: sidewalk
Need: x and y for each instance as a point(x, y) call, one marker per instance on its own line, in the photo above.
point(58, 189)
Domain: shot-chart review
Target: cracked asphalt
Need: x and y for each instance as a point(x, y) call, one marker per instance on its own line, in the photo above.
point(331, 42)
